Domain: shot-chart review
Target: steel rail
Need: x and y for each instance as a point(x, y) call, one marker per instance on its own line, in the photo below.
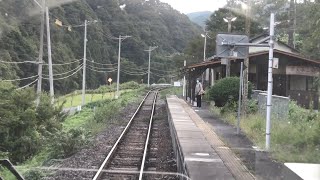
point(112, 151)
point(148, 137)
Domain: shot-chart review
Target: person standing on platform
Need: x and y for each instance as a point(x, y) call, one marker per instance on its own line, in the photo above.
point(198, 92)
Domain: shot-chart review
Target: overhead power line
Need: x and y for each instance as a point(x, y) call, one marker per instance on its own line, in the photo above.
point(102, 71)
point(75, 69)
point(55, 79)
point(134, 73)
point(67, 63)
point(101, 68)
point(91, 61)
point(21, 62)
point(12, 80)
point(23, 87)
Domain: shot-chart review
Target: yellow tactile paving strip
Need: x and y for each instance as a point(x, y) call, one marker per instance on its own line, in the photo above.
point(233, 163)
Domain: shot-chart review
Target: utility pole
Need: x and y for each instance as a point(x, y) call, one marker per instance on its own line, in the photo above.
point(246, 62)
point(229, 20)
point(184, 80)
point(149, 50)
point(39, 85)
point(121, 38)
point(49, 57)
point(291, 23)
point(270, 83)
point(84, 64)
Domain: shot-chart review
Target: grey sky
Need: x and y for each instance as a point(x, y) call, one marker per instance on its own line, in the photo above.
point(188, 6)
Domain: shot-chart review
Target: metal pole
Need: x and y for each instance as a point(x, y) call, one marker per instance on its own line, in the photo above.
point(184, 80)
point(270, 83)
point(149, 66)
point(39, 85)
point(228, 61)
point(84, 64)
point(229, 25)
point(118, 77)
point(239, 103)
point(49, 57)
point(204, 54)
point(246, 62)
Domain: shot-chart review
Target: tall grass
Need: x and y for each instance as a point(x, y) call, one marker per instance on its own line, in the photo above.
point(296, 139)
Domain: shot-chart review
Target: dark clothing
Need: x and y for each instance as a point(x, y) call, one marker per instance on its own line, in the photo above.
point(198, 100)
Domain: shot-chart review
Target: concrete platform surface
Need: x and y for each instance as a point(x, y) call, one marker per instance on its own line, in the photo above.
point(203, 158)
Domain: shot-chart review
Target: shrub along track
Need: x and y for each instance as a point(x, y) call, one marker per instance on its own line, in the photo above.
point(83, 165)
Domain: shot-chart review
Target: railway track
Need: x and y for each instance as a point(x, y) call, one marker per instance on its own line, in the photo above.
point(127, 158)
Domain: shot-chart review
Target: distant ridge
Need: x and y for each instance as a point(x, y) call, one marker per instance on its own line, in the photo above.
point(199, 17)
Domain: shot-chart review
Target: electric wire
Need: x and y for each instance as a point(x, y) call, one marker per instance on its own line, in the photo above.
point(23, 87)
point(163, 75)
point(100, 68)
point(67, 63)
point(92, 61)
point(12, 80)
point(164, 71)
point(134, 73)
point(55, 79)
point(21, 62)
point(75, 69)
point(101, 71)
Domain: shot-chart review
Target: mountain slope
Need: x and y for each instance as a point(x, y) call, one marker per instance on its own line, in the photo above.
point(150, 23)
point(199, 18)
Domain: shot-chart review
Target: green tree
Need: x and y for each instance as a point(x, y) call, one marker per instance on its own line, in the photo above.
point(22, 126)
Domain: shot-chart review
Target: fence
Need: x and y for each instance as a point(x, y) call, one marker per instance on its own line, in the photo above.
point(280, 105)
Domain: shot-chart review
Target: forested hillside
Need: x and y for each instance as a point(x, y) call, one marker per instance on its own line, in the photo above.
point(297, 24)
point(150, 23)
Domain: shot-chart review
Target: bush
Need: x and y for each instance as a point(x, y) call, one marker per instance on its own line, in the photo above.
point(130, 85)
point(107, 111)
point(64, 144)
point(226, 90)
point(23, 126)
point(34, 175)
point(252, 106)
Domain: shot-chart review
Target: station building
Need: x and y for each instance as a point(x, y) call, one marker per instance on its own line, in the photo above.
point(293, 74)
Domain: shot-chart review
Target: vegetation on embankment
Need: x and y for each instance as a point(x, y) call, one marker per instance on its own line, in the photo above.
point(70, 134)
point(171, 91)
point(295, 139)
point(102, 93)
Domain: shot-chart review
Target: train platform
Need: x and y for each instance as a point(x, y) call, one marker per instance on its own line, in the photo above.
point(200, 152)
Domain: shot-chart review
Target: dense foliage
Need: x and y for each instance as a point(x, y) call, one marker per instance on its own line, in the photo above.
point(226, 90)
point(23, 128)
point(150, 23)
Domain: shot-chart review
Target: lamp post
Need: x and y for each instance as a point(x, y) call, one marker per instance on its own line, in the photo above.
point(229, 20)
point(205, 35)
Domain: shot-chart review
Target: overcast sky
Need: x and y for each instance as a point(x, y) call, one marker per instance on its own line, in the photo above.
point(188, 6)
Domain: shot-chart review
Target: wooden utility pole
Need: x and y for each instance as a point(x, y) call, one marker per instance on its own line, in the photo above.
point(40, 52)
point(246, 62)
point(291, 23)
